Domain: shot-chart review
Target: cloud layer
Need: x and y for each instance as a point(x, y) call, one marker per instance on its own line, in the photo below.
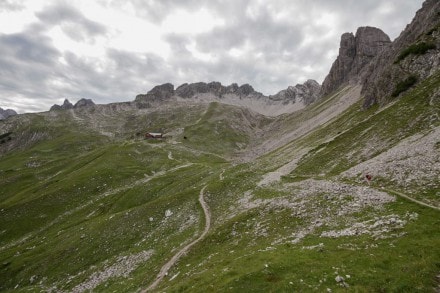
point(112, 50)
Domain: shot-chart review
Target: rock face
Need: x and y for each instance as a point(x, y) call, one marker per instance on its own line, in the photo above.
point(166, 91)
point(65, 106)
point(306, 93)
point(415, 55)
point(4, 114)
point(355, 52)
point(84, 103)
point(286, 101)
point(215, 88)
point(68, 105)
point(158, 93)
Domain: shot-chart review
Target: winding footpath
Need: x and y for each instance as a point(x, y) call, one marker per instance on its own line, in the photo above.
point(165, 268)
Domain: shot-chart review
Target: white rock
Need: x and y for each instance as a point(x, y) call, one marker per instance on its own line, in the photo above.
point(168, 213)
point(339, 279)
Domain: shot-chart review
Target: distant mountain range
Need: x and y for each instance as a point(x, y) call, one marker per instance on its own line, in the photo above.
point(368, 58)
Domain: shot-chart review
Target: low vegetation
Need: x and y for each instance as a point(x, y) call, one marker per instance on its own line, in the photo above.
point(415, 49)
point(404, 85)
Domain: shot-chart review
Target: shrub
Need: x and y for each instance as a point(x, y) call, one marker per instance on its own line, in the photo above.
point(5, 135)
point(404, 85)
point(415, 49)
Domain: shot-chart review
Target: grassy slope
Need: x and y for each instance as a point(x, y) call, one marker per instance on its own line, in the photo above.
point(72, 203)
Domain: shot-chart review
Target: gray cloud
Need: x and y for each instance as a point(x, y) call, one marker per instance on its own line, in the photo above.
point(72, 22)
point(157, 10)
point(10, 5)
point(284, 42)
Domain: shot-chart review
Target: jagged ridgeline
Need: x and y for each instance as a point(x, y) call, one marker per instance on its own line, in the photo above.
point(213, 188)
point(6, 113)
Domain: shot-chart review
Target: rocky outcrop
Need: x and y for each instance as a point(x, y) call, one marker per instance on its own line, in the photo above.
point(65, 106)
point(215, 88)
point(4, 114)
point(158, 93)
point(413, 56)
point(84, 103)
point(189, 90)
point(355, 52)
point(68, 105)
point(286, 101)
point(306, 93)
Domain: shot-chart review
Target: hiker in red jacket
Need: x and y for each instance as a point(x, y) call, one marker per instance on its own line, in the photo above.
point(368, 178)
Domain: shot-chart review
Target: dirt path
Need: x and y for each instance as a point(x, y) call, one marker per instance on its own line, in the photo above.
point(164, 270)
point(412, 199)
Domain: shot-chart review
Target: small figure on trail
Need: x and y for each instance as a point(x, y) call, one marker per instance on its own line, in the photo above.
point(368, 178)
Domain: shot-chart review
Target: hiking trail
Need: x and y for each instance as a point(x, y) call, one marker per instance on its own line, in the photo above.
point(165, 268)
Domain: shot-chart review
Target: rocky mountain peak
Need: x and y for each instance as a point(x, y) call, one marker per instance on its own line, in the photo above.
point(84, 103)
point(306, 93)
point(355, 52)
point(239, 95)
point(413, 56)
point(158, 93)
point(4, 114)
point(369, 41)
point(67, 105)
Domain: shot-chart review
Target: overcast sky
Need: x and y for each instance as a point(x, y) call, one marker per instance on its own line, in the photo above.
point(112, 50)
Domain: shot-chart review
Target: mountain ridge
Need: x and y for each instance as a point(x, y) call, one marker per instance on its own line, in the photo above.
point(4, 114)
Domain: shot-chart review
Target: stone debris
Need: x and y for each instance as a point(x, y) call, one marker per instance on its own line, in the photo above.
point(376, 227)
point(122, 267)
point(168, 213)
point(413, 162)
point(323, 203)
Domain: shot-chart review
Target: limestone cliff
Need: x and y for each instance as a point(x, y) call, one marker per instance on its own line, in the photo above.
point(355, 52)
point(306, 93)
point(413, 56)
